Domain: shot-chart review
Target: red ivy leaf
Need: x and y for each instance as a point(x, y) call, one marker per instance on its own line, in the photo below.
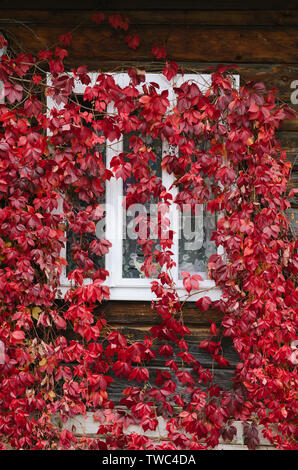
point(98, 17)
point(213, 329)
point(191, 282)
point(133, 41)
point(170, 70)
point(13, 92)
point(117, 22)
point(159, 52)
point(18, 336)
point(203, 303)
point(65, 39)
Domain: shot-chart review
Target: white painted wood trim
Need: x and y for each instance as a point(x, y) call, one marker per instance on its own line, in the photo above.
point(86, 426)
point(138, 289)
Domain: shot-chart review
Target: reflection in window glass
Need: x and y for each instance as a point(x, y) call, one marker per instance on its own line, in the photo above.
point(195, 246)
point(133, 257)
point(73, 238)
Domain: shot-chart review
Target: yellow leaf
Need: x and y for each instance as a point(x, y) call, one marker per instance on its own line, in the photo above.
point(43, 362)
point(35, 312)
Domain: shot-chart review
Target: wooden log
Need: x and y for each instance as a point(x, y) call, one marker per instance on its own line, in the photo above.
point(279, 76)
point(188, 43)
point(293, 216)
point(133, 334)
point(72, 18)
point(152, 4)
point(141, 313)
point(222, 378)
point(289, 143)
point(290, 125)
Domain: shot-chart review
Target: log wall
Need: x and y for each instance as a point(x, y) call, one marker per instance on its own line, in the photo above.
point(262, 42)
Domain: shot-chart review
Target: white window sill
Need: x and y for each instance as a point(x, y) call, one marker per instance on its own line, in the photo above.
point(135, 291)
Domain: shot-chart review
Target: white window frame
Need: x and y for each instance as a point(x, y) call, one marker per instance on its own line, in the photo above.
point(138, 289)
point(2, 52)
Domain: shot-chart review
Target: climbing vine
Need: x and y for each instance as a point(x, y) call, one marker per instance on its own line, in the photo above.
point(60, 354)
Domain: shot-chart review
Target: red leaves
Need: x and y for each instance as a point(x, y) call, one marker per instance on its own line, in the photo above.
point(213, 329)
point(166, 350)
point(13, 92)
point(100, 381)
point(61, 53)
point(225, 175)
point(185, 378)
point(117, 22)
point(17, 336)
point(65, 375)
point(214, 414)
point(142, 410)
point(217, 268)
point(133, 41)
point(271, 231)
point(170, 70)
point(122, 369)
point(191, 282)
point(203, 303)
point(140, 374)
point(229, 326)
point(65, 39)
point(210, 346)
point(67, 439)
point(246, 227)
point(98, 17)
point(77, 276)
point(93, 292)
point(58, 320)
point(228, 432)
point(117, 339)
point(251, 435)
point(72, 389)
point(33, 106)
point(159, 52)
point(136, 352)
point(100, 247)
point(214, 348)
point(149, 424)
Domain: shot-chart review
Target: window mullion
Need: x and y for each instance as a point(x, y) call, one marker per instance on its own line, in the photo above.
point(114, 214)
point(168, 181)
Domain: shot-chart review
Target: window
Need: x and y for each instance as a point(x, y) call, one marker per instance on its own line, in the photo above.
point(2, 52)
point(192, 245)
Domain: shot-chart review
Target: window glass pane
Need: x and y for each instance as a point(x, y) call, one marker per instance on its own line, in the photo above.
point(73, 238)
point(195, 246)
point(195, 231)
point(133, 257)
point(83, 241)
